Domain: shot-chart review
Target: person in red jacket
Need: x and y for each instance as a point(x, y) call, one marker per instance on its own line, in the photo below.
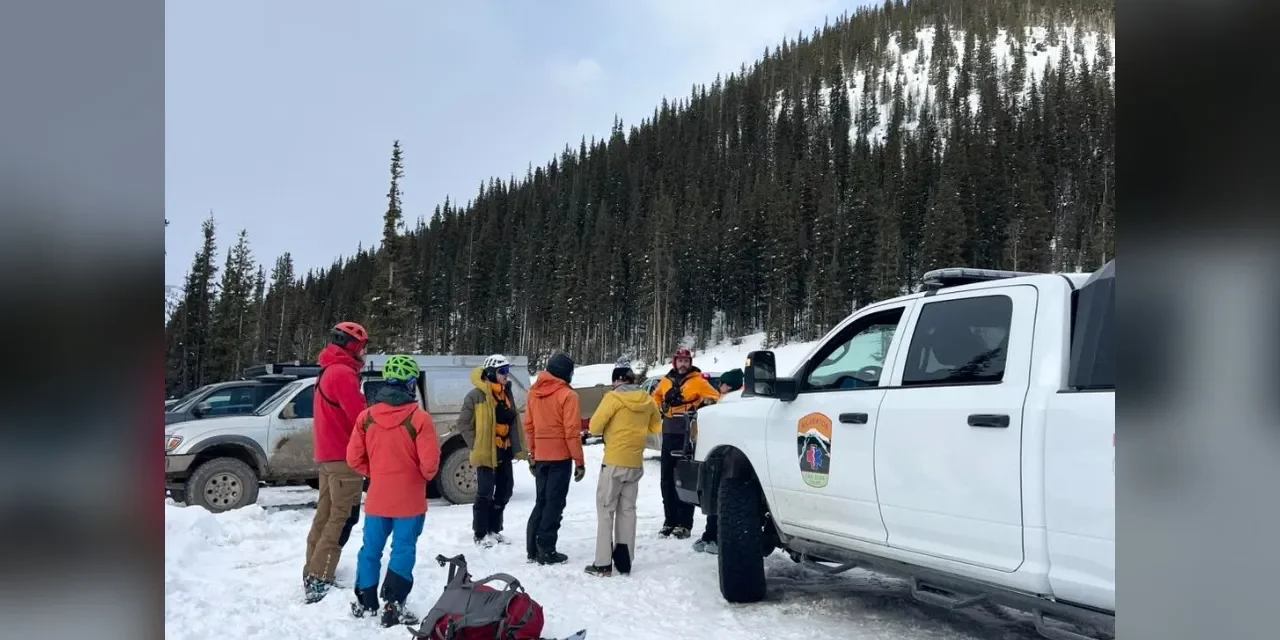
point(394, 444)
point(337, 403)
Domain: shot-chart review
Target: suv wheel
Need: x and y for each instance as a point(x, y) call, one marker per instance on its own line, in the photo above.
point(457, 479)
point(223, 484)
point(741, 540)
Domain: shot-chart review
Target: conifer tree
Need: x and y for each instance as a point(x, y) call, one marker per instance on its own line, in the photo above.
point(388, 313)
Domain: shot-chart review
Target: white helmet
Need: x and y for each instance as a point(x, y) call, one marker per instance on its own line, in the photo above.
point(496, 361)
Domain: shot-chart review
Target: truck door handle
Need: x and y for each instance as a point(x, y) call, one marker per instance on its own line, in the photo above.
point(989, 420)
point(853, 418)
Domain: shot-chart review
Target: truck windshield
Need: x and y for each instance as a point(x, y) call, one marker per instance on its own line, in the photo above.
point(271, 404)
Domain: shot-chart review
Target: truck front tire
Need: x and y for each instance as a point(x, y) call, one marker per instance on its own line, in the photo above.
point(741, 540)
point(457, 478)
point(222, 484)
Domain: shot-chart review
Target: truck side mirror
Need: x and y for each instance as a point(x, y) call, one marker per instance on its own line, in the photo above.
point(288, 413)
point(760, 378)
point(202, 409)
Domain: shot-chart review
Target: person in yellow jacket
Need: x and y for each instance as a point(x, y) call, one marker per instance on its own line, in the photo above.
point(682, 391)
point(625, 418)
point(490, 425)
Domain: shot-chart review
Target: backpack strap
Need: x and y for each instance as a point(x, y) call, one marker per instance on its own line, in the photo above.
point(320, 389)
point(407, 423)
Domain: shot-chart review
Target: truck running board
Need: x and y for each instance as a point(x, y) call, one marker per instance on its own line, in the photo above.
point(814, 563)
point(1056, 633)
point(946, 599)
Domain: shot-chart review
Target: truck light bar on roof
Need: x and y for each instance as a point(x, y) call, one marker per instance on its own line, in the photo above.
point(956, 276)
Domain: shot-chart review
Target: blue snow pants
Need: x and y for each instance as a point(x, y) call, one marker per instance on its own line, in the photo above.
point(404, 534)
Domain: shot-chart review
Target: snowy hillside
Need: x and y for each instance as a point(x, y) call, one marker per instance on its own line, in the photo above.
point(717, 359)
point(914, 71)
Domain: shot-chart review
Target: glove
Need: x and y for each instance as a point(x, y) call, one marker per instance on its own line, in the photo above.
point(532, 470)
point(579, 473)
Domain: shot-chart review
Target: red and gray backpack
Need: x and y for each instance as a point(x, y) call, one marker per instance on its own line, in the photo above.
point(473, 610)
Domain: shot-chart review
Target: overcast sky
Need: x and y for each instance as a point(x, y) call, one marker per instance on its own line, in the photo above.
point(280, 114)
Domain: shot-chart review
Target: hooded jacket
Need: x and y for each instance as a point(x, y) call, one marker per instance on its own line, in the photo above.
point(395, 446)
point(626, 417)
point(477, 422)
point(337, 402)
point(552, 422)
point(694, 389)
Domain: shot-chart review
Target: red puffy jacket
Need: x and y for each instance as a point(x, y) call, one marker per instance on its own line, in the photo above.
point(337, 403)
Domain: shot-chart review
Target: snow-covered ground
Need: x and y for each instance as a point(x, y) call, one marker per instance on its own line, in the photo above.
point(238, 575)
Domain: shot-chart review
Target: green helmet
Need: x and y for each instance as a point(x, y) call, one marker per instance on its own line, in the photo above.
point(400, 369)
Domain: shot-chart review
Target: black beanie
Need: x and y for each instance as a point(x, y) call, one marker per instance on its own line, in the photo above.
point(622, 371)
point(561, 366)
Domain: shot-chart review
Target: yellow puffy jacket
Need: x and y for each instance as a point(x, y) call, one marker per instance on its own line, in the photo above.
point(626, 416)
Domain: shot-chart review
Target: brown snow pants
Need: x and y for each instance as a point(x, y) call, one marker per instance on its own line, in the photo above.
point(340, 489)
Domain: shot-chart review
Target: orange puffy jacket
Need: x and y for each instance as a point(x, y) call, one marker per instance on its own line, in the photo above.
point(552, 424)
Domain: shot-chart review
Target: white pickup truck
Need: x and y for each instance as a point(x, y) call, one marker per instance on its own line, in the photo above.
point(962, 437)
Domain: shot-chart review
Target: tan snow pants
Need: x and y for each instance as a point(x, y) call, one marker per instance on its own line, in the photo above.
point(616, 512)
point(340, 489)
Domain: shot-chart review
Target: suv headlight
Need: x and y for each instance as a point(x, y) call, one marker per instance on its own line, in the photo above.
point(171, 442)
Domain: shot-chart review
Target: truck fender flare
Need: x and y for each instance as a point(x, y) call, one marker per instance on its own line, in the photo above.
point(244, 442)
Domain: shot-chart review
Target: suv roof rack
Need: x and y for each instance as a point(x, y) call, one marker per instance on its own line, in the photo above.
point(281, 370)
point(937, 279)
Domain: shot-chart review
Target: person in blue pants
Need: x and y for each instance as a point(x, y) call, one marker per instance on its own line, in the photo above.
point(394, 444)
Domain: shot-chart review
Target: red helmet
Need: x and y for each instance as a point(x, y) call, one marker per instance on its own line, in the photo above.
point(345, 333)
point(682, 352)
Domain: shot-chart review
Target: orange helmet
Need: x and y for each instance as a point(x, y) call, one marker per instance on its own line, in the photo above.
point(345, 333)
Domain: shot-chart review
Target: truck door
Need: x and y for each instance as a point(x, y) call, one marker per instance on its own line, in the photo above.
point(821, 444)
point(291, 446)
point(948, 449)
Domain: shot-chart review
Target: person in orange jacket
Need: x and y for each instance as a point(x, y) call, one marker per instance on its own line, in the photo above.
point(394, 444)
point(682, 391)
point(553, 429)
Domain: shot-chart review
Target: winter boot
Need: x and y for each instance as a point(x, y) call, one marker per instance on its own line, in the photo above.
point(705, 546)
point(600, 572)
point(315, 589)
point(486, 542)
point(666, 530)
point(552, 557)
point(395, 590)
point(366, 604)
point(394, 613)
point(680, 533)
point(622, 559)
point(499, 538)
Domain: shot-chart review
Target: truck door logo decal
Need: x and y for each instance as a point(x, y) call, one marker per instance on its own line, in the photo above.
point(813, 446)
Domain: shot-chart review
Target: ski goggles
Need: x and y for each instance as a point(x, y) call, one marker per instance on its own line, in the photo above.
point(504, 370)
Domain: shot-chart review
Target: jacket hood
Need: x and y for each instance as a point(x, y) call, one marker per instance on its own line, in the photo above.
point(633, 397)
point(394, 395)
point(546, 386)
point(335, 355)
point(478, 381)
point(391, 415)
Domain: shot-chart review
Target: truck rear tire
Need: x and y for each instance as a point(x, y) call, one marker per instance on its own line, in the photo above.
point(457, 478)
point(222, 484)
point(741, 540)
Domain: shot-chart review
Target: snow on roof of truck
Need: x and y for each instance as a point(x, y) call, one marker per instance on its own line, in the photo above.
point(376, 360)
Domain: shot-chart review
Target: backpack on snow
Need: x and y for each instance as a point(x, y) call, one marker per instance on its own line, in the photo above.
point(472, 610)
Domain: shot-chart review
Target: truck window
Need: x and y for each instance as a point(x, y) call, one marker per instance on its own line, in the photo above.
point(854, 358)
point(1093, 339)
point(962, 341)
point(304, 404)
